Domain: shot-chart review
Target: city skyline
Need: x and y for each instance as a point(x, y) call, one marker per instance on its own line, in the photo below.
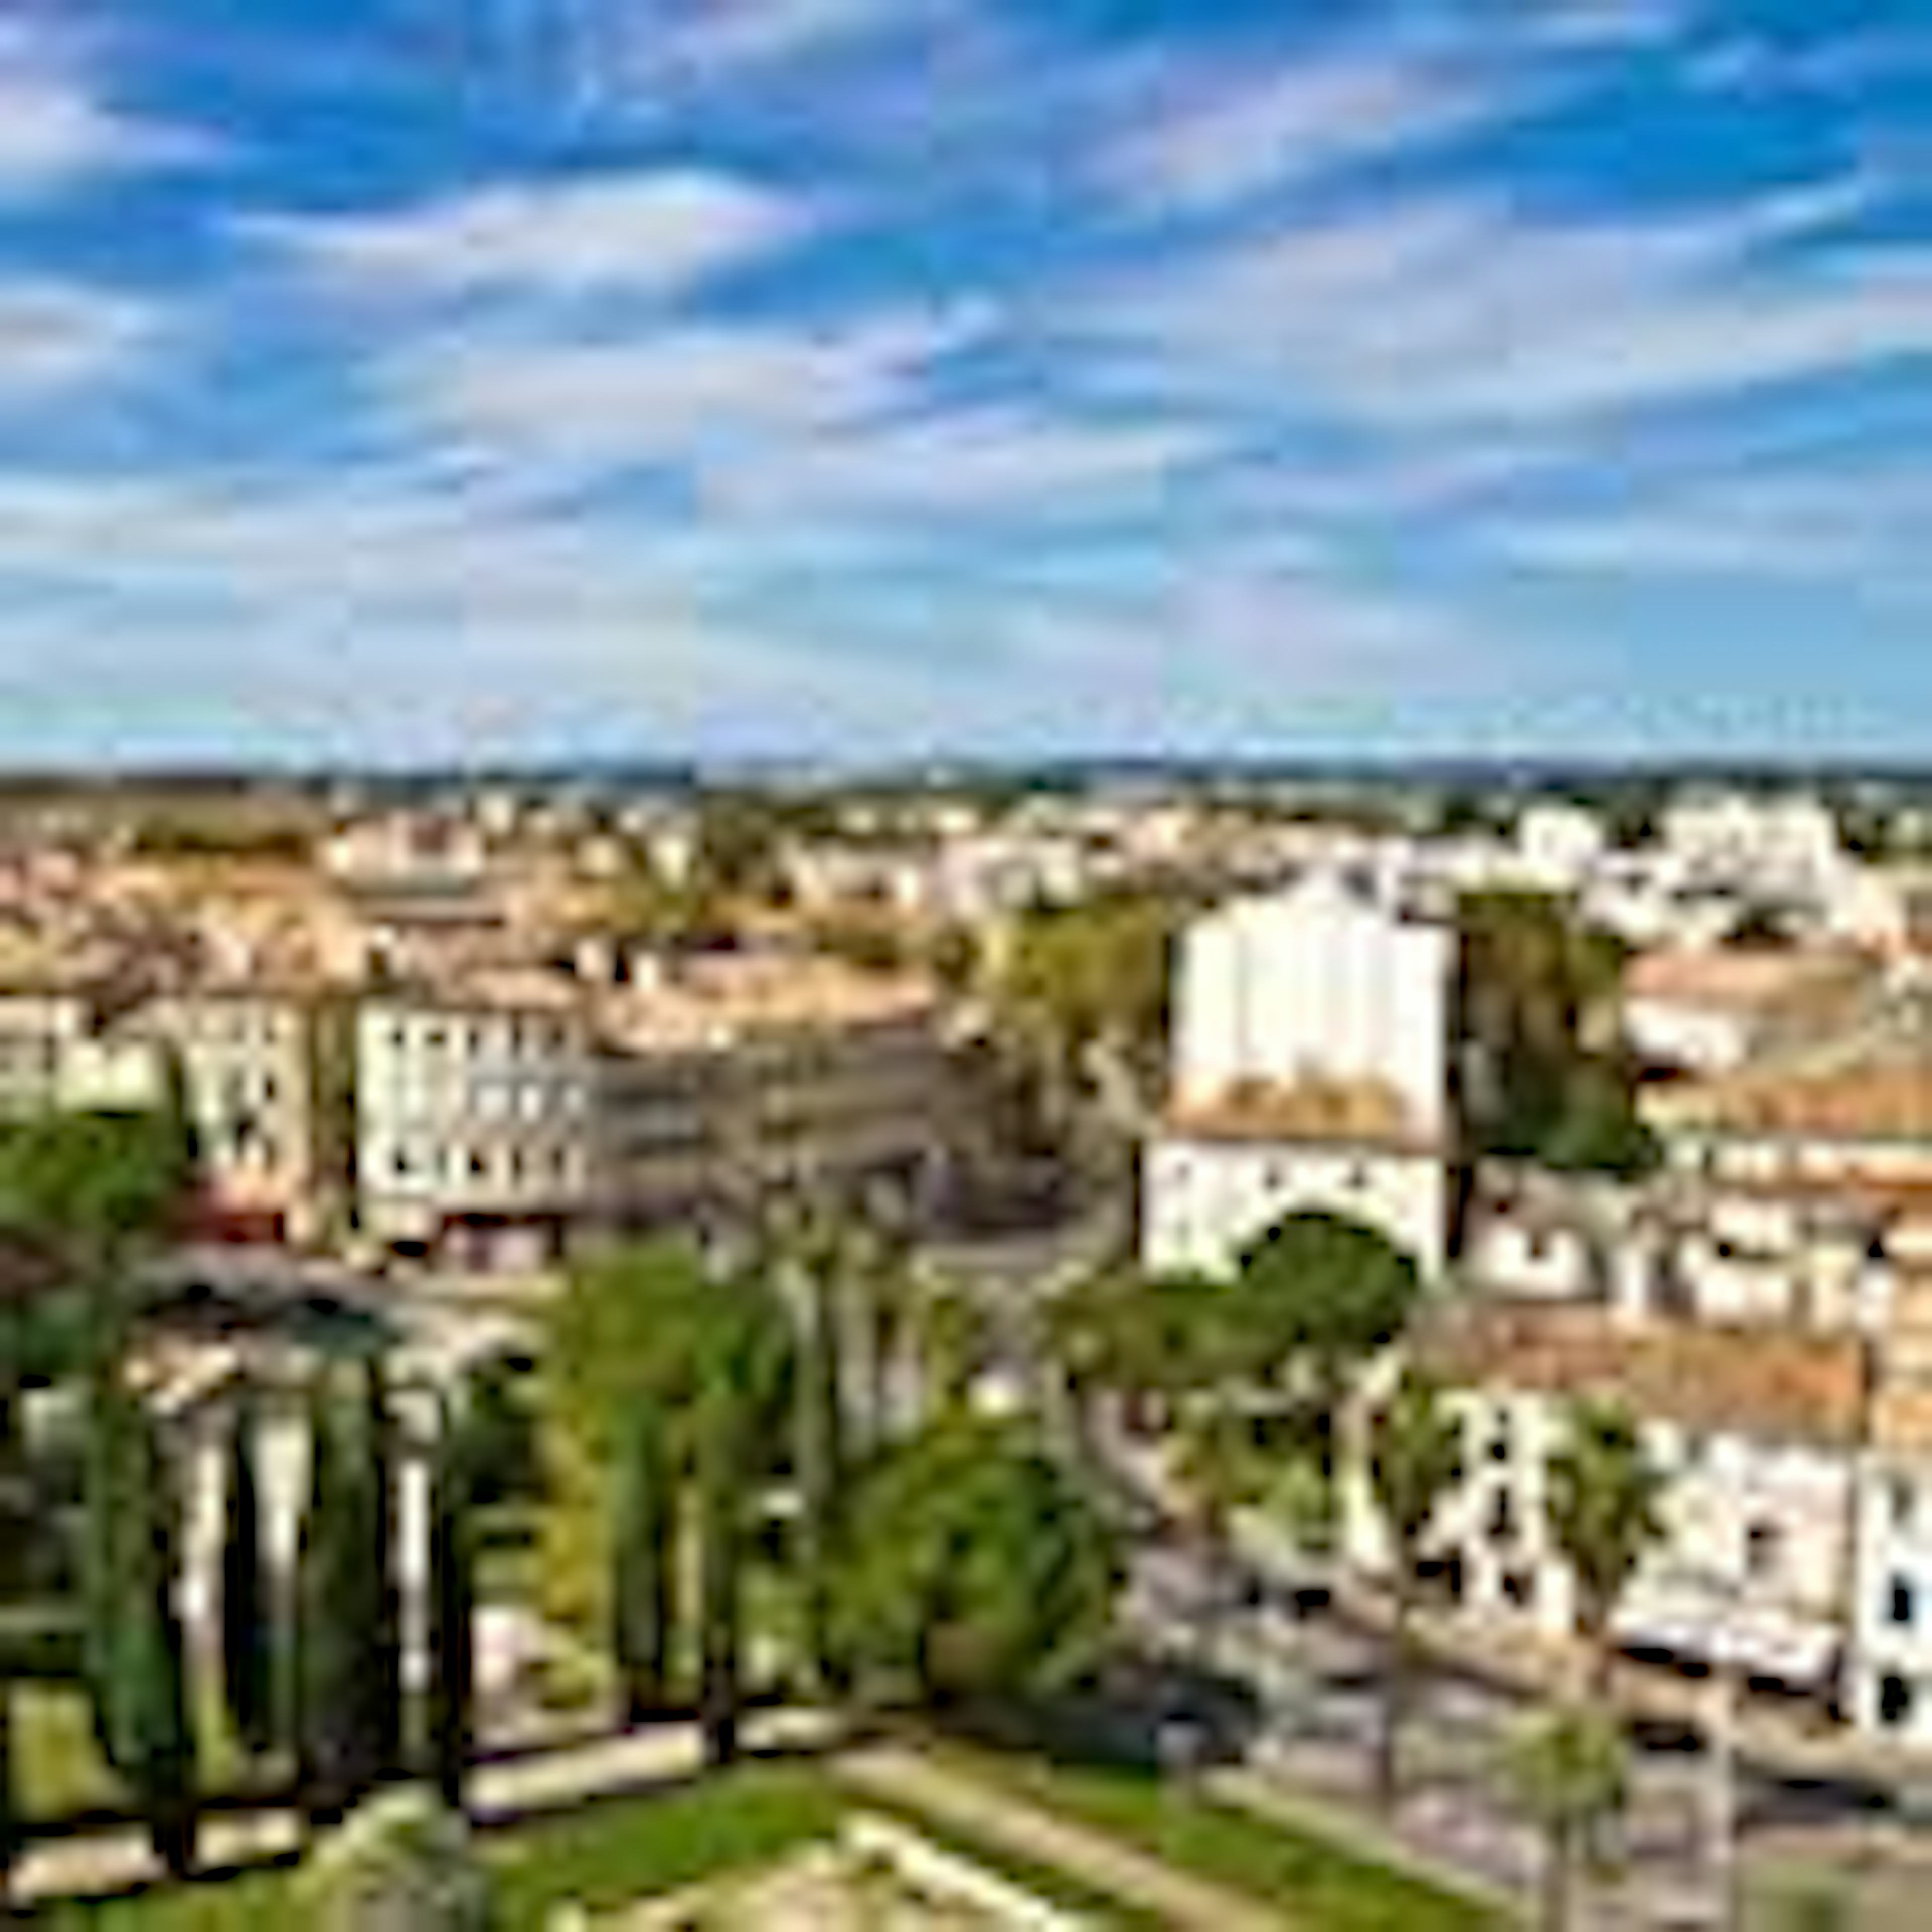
point(435, 380)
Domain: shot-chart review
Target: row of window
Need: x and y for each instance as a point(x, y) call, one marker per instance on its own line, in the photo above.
point(512, 1167)
point(515, 1039)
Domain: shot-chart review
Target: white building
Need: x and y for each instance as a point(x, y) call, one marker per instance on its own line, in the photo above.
point(1311, 1070)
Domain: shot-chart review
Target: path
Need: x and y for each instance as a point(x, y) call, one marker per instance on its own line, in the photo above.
point(895, 1775)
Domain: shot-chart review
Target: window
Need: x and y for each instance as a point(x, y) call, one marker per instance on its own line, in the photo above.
point(1520, 1588)
point(1502, 1516)
point(1539, 1244)
point(1904, 1606)
point(1901, 1498)
point(1499, 1442)
point(1761, 1546)
point(1895, 1701)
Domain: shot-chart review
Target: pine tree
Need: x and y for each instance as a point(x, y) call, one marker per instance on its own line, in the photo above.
point(719, 1471)
point(334, 1638)
point(247, 1619)
point(643, 1555)
point(383, 1706)
point(820, 1455)
point(452, 1609)
point(160, 1734)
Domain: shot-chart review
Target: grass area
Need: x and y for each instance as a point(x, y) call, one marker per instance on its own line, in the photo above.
point(602, 1857)
point(1048, 1882)
point(613, 1854)
point(58, 1769)
point(1309, 1879)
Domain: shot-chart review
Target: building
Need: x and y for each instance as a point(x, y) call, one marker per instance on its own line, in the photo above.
point(1312, 1070)
point(472, 1128)
point(725, 1077)
point(271, 1128)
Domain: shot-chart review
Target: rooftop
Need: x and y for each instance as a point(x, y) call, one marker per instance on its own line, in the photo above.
point(1764, 1382)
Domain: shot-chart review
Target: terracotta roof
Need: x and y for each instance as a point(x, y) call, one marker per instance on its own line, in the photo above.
point(1362, 1112)
point(1884, 1102)
point(1746, 980)
point(1763, 1382)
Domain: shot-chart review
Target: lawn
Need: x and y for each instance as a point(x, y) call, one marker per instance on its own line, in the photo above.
point(605, 1856)
point(1309, 1879)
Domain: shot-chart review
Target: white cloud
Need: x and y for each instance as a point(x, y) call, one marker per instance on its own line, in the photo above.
point(1300, 123)
point(61, 131)
point(1023, 465)
point(658, 232)
point(58, 338)
point(1467, 310)
point(563, 406)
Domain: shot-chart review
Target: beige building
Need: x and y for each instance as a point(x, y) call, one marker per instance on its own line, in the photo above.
point(726, 1077)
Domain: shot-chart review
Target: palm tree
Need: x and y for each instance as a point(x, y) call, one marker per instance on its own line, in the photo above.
point(1217, 1466)
point(1415, 1456)
point(1568, 1771)
point(1601, 1501)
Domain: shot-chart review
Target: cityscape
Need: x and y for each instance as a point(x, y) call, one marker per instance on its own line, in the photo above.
point(965, 965)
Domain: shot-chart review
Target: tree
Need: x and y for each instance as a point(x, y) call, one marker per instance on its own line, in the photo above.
point(247, 1619)
point(721, 1550)
point(1318, 1295)
point(339, 1664)
point(1549, 1078)
point(383, 1717)
point(1220, 1466)
point(132, 1646)
point(954, 1337)
point(1414, 1460)
point(646, 1538)
point(452, 1610)
point(1569, 1771)
point(624, 1333)
point(814, 1263)
point(1601, 1500)
point(975, 1569)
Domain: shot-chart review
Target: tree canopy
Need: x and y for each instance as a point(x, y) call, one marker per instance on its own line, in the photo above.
point(1550, 1079)
point(974, 1567)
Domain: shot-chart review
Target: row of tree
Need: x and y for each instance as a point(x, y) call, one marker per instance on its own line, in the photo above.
point(696, 1412)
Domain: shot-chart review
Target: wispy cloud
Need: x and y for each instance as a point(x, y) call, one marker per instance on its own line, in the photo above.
point(1466, 308)
point(62, 129)
point(58, 337)
point(1304, 121)
point(657, 233)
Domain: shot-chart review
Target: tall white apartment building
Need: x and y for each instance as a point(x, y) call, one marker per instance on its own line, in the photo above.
point(1312, 1070)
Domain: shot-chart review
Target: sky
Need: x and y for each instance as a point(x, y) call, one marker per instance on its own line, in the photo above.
point(427, 380)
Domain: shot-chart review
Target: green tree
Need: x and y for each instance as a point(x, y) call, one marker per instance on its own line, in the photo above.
point(1550, 1079)
point(1569, 1771)
point(132, 1637)
point(452, 1610)
point(340, 1748)
point(817, 1264)
point(247, 1617)
point(623, 1334)
point(383, 1694)
point(720, 1431)
point(1602, 1500)
point(1415, 1454)
point(645, 1555)
point(1318, 1295)
point(975, 1569)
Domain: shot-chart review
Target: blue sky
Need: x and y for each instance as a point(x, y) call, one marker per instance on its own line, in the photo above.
point(407, 379)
